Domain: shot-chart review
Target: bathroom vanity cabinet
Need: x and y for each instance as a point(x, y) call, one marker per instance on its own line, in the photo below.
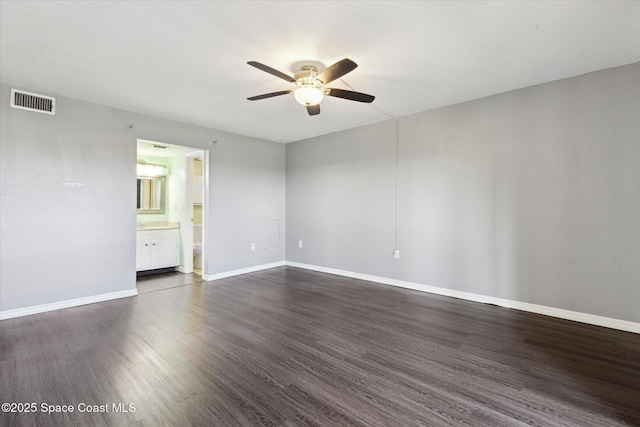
point(157, 249)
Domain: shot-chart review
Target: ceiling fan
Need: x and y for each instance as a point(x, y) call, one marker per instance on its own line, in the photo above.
point(311, 84)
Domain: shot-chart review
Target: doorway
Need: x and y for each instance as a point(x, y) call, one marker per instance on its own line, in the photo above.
point(185, 206)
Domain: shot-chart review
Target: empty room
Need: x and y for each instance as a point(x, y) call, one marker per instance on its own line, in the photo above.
point(320, 213)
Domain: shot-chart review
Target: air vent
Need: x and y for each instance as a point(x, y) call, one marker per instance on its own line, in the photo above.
point(33, 102)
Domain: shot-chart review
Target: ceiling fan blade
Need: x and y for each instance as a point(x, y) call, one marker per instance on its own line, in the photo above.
point(350, 95)
point(336, 71)
point(313, 110)
point(269, 95)
point(272, 71)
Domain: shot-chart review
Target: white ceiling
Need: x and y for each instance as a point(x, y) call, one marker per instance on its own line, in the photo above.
point(187, 60)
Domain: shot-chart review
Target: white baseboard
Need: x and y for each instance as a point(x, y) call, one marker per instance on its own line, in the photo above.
point(19, 312)
point(42, 308)
point(252, 269)
point(591, 319)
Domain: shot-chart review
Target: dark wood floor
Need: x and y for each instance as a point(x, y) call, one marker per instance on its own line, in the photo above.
point(298, 348)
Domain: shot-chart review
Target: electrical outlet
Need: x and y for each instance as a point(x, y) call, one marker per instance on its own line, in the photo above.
point(253, 246)
point(299, 243)
point(396, 254)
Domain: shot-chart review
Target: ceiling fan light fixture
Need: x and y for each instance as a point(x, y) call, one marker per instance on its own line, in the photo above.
point(308, 95)
point(311, 84)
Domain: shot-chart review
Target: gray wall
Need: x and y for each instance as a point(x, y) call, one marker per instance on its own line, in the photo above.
point(67, 203)
point(67, 198)
point(248, 202)
point(340, 194)
point(531, 195)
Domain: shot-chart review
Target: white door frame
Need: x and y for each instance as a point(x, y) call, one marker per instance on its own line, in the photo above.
point(187, 219)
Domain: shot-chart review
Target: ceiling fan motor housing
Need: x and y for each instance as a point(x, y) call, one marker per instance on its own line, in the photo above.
point(306, 77)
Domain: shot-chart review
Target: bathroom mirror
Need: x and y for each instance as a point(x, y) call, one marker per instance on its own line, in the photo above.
point(151, 195)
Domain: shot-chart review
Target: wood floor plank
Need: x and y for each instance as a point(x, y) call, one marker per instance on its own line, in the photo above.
point(291, 347)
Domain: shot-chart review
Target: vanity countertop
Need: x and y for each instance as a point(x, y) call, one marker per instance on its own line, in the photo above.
point(142, 226)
